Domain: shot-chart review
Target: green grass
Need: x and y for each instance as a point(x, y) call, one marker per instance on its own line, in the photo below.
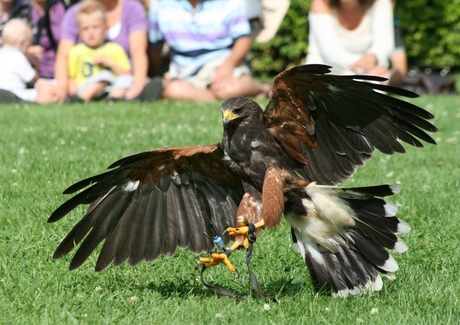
point(45, 149)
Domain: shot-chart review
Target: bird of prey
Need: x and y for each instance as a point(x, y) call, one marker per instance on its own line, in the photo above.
point(285, 160)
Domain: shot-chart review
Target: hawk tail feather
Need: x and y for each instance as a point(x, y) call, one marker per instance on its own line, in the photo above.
point(345, 237)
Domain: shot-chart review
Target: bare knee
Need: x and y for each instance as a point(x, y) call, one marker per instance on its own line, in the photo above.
point(183, 90)
point(93, 90)
point(175, 89)
point(47, 93)
point(243, 86)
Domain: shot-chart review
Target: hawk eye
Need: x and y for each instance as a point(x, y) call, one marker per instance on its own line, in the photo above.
point(237, 110)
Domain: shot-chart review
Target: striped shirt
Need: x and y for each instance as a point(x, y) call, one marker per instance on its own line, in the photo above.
point(198, 35)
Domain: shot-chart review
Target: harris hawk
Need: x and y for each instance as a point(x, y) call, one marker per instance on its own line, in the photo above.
point(287, 159)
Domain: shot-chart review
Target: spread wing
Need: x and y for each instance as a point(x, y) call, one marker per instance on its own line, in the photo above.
point(150, 203)
point(331, 124)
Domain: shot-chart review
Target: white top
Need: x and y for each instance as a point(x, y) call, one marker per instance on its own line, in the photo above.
point(332, 44)
point(15, 69)
point(15, 73)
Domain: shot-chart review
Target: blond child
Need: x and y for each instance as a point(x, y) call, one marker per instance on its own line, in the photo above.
point(96, 66)
point(16, 73)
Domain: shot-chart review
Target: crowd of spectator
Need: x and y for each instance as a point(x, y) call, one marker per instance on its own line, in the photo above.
point(184, 50)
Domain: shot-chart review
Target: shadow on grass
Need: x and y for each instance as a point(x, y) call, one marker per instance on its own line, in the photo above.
point(185, 288)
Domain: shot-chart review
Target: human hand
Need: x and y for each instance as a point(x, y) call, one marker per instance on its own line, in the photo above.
point(134, 91)
point(47, 92)
point(73, 88)
point(365, 64)
point(102, 61)
point(62, 91)
point(222, 77)
point(34, 54)
point(379, 71)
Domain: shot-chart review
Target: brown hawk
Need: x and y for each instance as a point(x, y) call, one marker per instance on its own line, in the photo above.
point(287, 159)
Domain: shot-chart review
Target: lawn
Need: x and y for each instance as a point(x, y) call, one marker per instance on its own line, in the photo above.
point(45, 149)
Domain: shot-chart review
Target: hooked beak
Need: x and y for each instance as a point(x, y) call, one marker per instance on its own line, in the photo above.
point(228, 116)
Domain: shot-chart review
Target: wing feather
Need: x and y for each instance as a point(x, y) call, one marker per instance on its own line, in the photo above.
point(141, 237)
point(150, 204)
point(102, 228)
point(117, 245)
point(182, 217)
point(329, 125)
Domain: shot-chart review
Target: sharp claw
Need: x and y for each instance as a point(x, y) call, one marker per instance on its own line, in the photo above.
point(217, 258)
point(241, 231)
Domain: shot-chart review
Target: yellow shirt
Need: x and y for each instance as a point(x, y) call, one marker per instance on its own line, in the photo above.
point(81, 63)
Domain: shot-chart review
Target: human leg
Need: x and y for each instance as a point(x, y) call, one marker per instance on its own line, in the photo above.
point(47, 93)
point(92, 90)
point(243, 86)
point(95, 86)
point(199, 87)
point(242, 83)
point(183, 90)
point(7, 96)
point(120, 86)
point(119, 93)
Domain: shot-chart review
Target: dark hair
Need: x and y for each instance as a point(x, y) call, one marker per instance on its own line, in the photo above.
point(336, 3)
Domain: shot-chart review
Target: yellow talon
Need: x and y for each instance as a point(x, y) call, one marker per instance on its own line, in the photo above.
point(242, 229)
point(217, 258)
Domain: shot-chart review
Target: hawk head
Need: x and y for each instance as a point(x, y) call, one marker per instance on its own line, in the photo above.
point(237, 109)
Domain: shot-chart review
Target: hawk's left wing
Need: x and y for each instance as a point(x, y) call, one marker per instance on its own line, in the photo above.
point(331, 124)
point(150, 203)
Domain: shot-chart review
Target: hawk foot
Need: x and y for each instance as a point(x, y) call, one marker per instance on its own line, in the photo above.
point(246, 230)
point(217, 258)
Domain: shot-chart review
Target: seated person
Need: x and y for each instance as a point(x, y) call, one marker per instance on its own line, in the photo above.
point(96, 64)
point(16, 73)
point(208, 42)
point(127, 25)
point(47, 26)
point(351, 36)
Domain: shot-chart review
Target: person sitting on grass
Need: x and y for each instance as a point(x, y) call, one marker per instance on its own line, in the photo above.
point(127, 26)
point(97, 67)
point(47, 16)
point(352, 36)
point(16, 73)
point(208, 42)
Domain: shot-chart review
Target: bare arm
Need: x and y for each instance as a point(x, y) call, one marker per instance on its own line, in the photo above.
point(223, 74)
point(399, 61)
point(109, 64)
point(72, 87)
point(383, 37)
point(320, 7)
point(34, 54)
point(138, 50)
point(61, 73)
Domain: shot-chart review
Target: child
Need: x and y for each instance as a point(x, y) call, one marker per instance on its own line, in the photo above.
point(96, 64)
point(15, 70)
